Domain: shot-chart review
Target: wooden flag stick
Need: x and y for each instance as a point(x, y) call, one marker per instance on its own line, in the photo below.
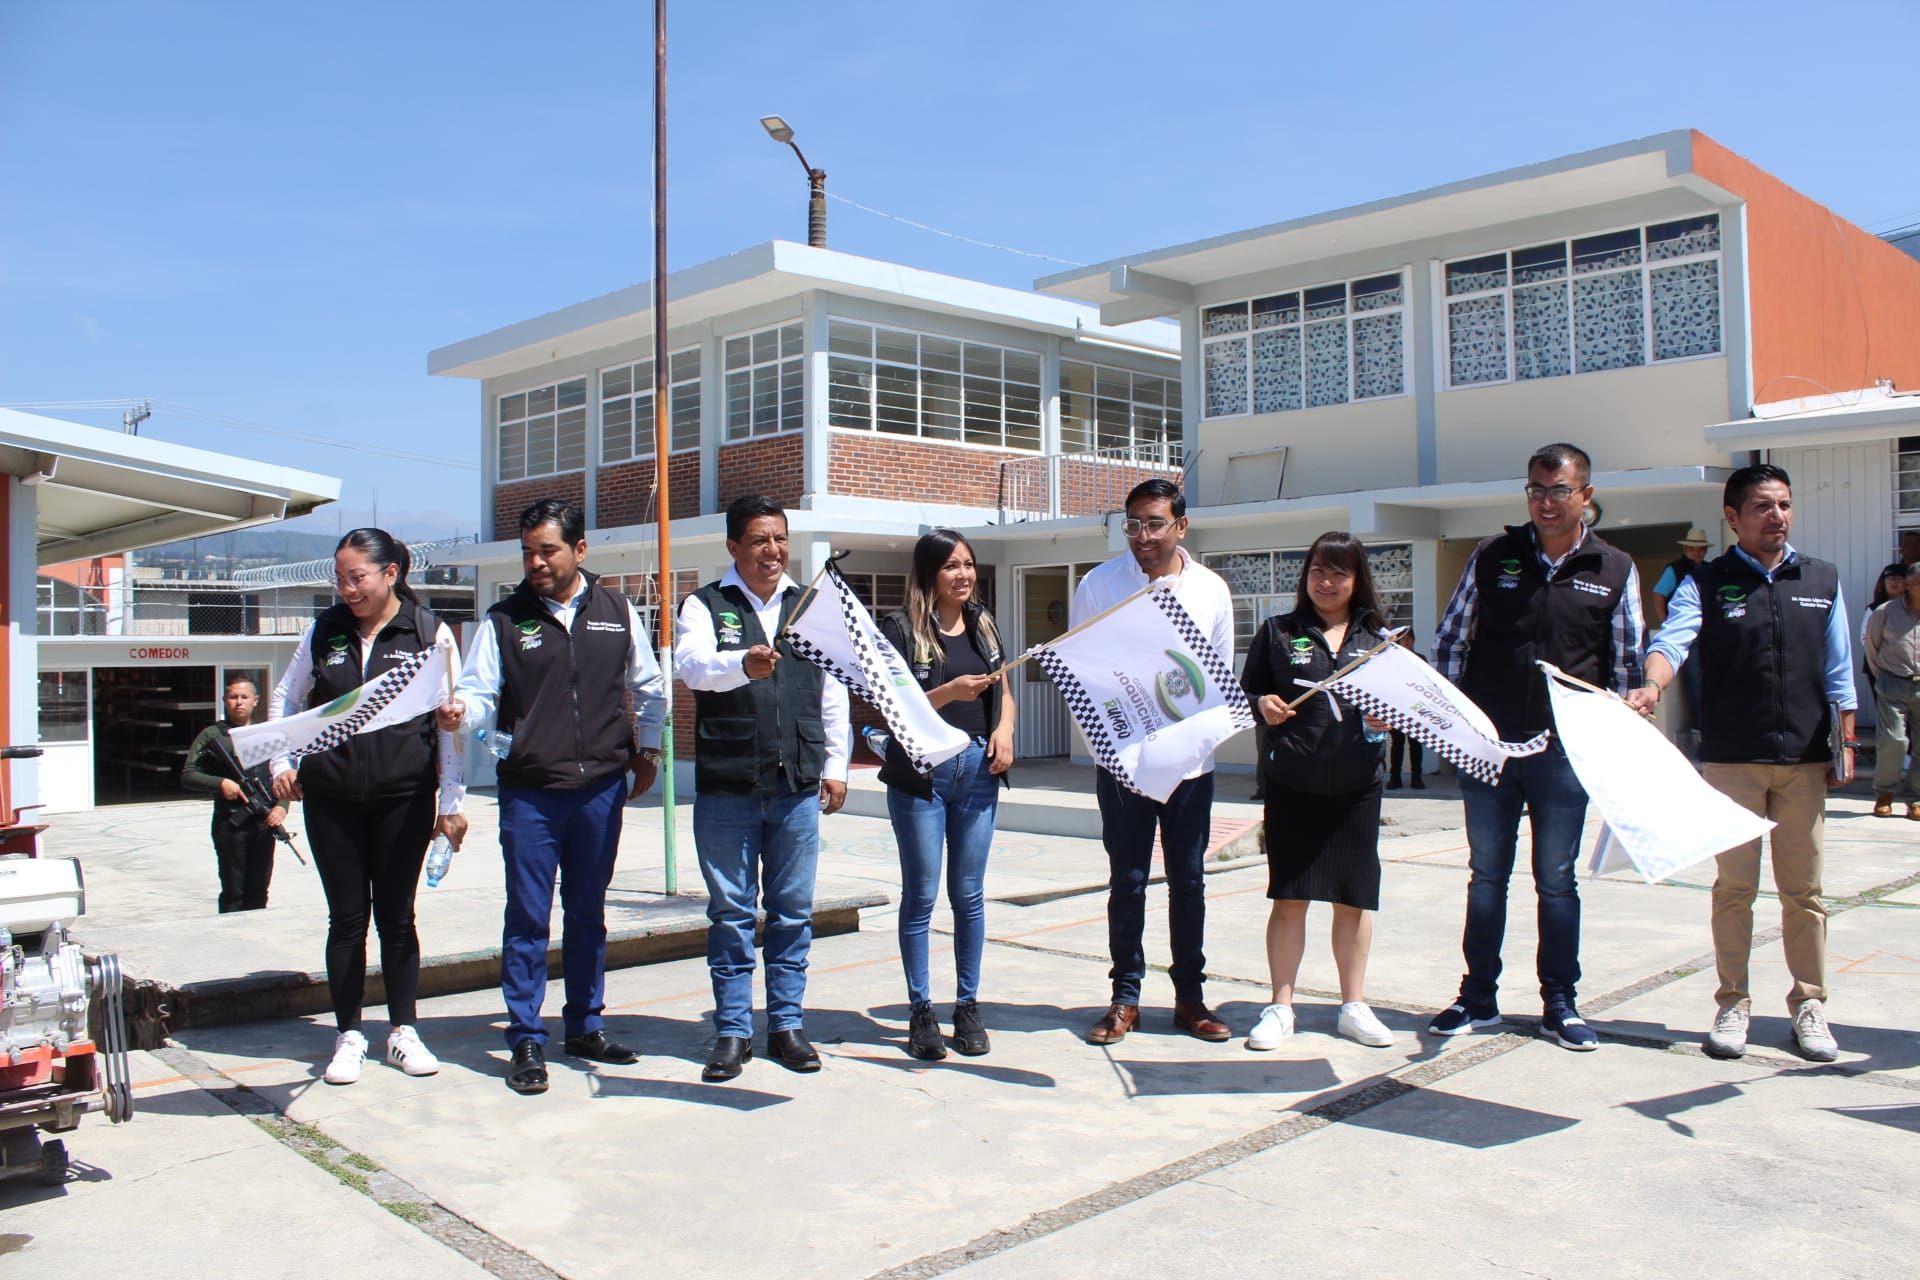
point(807, 595)
point(1393, 638)
point(1072, 631)
point(459, 747)
point(1577, 682)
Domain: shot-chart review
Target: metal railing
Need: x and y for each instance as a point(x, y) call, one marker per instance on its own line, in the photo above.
point(320, 573)
point(1083, 484)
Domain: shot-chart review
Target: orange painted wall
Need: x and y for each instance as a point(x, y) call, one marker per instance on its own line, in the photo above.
point(89, 574)
point(1833, 308)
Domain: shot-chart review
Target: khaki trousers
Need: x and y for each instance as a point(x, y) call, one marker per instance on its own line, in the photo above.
point(1795, 797)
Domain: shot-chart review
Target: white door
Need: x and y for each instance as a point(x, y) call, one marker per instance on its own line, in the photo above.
point(1042, 596)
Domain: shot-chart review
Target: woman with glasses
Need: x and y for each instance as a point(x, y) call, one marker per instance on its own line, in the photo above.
point(373, 802)
point(953, 647)
point(1322, 767)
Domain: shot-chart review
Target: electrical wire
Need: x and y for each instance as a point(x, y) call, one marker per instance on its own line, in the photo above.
point(953, 235)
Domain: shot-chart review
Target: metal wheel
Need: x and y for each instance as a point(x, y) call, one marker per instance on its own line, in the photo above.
point(53, 1163)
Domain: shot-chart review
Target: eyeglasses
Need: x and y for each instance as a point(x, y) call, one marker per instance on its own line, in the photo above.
point(1134, 527)
point(355, 581)
point(1540, 492)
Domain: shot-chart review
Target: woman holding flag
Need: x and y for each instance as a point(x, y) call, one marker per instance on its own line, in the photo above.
point(952, 645)
point(370, 802)
point(1322, 780)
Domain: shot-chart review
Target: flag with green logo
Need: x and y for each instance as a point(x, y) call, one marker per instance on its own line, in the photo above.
point(1149, 693)
point(836, 634)
point(413, 686)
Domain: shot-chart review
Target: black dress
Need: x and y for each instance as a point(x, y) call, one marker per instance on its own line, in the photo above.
point(1322, 776)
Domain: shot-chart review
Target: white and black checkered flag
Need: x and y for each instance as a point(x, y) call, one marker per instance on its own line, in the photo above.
point(836, 634)
point(1147, 690)
point(411, 687)
point(1395, 685)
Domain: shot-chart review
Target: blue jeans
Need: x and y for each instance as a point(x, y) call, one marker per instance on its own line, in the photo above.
point(577, 834)
point(960, 816)
point(1127, 822)
point(750, 847)
point(1557, 807)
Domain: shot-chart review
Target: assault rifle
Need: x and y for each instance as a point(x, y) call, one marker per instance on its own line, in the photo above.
point(258, 800)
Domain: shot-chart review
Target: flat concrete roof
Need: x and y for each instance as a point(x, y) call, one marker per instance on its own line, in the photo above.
point(102, 492)
point(1850, 417)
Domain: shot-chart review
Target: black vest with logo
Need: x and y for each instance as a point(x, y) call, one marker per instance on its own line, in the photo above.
point(1525, 616)
point(753, 739)
point(1763, 660)
point(563, 693)
point(1313, 751)
point(897, 770)
point(395, 761)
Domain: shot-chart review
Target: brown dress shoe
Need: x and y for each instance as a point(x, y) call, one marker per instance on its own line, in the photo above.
point(1883, 805)
point(1114, 1024)
point(1194, 1018)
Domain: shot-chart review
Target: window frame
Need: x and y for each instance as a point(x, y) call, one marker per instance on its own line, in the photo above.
point(779, 363)
point(1172, 409)
point(1443, 301)
point(639, 444)
point(1351, 315)
point(963, 412)
point(501, 424)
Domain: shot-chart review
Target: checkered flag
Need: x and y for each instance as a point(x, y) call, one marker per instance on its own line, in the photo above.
point(837, 634)
point(1396, 686)
point(1148, 691)
point(411, 687)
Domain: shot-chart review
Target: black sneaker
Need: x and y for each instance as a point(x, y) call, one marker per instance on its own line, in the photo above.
point(1563, 1025)
point(1458, 1020)
point(923, 1035)
point(969, 1033)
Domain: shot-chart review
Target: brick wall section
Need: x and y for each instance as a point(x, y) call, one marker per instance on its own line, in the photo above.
point(1090, 487)
point(625, 489)
point(510, 499)
point(863, 465)
point(774, 466)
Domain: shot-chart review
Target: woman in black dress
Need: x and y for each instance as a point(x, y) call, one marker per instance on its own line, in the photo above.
point(1322, 778)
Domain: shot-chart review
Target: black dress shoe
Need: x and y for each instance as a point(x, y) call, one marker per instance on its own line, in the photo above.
point(790, 1049)
point(527, 1073)
point(729, 1054)
point(595, 1047)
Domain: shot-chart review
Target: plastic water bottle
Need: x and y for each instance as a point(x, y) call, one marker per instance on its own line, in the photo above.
point(498, 743)
point(439, 858)
point(876, 740)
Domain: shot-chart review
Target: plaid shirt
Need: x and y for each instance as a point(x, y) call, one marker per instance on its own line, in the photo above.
point(1454, 640)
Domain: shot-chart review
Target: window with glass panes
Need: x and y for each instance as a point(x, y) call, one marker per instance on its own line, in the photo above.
point(882, 593)
point(639, 588)
point(938, 388)
point(766, 382)
point(1264, 583)
point(1330, 344)
point(626, 407)
point(1102, 407)
point(1906, 482)
point(543, 432)
point(1616, 300)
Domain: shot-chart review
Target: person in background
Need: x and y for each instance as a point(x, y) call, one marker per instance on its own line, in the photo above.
point(1891, 639)
point(1156, 521)
point(1323, 785)
point(774, 738)
point(1693, 552)
point(952, 645)
point(1892, 582)
point(373, 802)
point(563, 672)
point(1401, 746)
point(242, 842)
point(1777, 668)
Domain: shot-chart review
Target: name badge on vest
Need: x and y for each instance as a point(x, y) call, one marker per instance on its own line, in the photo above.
point(530, 637)
point(1733, 602)
point(337, 654)
point(728, 624)
point(1510, 574)
point(1812, 602)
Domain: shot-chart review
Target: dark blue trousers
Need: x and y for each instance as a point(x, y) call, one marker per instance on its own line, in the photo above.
point(575, 834)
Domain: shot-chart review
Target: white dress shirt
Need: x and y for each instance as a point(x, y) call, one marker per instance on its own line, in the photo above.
point(707, 668)
point(1203, 593)
point(479, 687)
point(289, 697)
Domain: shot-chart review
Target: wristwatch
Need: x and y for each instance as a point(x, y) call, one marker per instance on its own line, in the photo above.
point(1853, 743)
point(650, 754)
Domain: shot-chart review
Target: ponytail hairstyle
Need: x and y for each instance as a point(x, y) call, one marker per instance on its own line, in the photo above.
point(930, 555)
point(1340, 550)
point(382, 549)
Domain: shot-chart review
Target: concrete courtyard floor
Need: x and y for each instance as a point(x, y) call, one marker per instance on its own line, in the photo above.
point(1158, 1156)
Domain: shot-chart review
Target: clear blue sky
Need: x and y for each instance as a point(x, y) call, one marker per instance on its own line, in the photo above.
point(272, 212)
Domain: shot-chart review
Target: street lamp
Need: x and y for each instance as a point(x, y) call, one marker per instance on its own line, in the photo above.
point(780, 131)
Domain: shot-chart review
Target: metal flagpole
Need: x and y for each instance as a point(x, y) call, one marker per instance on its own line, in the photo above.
point(662, 382)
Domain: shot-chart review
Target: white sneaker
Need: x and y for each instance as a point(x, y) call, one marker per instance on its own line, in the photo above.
point(1728, 1039)
point(1275, 1025)
point(1810, 1030)
point(1359, 1023)
point(349, 1052)
point(405, 1051)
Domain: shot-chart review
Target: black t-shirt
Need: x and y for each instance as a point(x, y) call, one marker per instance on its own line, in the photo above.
point(963, 660)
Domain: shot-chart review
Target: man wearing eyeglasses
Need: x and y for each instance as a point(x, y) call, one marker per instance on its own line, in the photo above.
point(1156, 521)
point(1548, 589)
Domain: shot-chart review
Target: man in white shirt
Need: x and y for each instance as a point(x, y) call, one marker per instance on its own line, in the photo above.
point(772, 743)
point(1156, 521)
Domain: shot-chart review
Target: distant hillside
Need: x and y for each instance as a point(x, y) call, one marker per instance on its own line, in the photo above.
point(274, 545)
